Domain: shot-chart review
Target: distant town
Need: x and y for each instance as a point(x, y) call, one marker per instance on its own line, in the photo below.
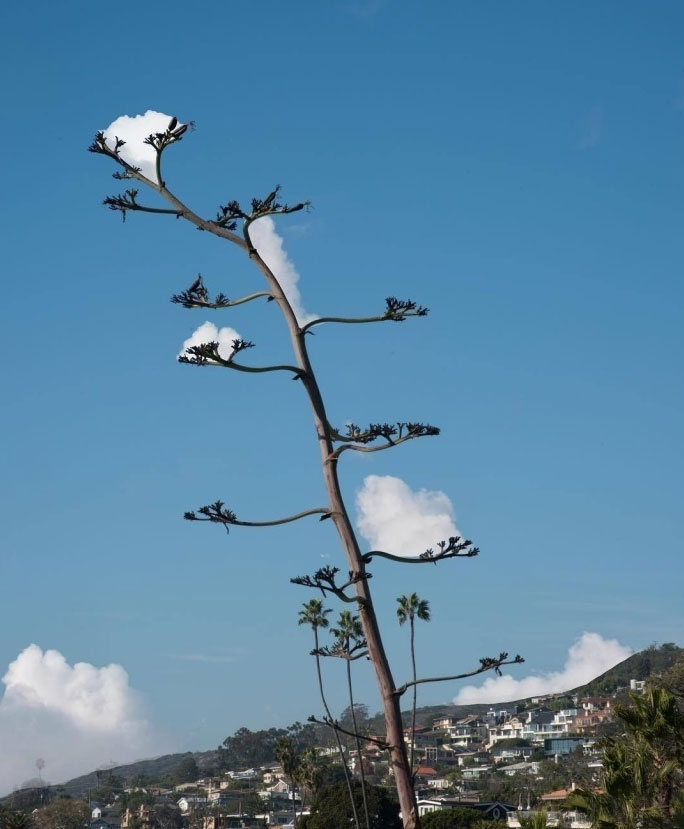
point(505, 762)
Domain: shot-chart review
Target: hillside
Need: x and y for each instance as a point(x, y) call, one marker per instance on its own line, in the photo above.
point(652, 662)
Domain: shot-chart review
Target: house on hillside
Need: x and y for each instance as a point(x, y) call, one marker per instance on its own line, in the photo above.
point(191, 802)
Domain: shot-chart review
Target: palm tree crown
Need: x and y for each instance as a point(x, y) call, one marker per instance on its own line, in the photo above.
point(349, 628)
point(313, 613)
point(411, 607)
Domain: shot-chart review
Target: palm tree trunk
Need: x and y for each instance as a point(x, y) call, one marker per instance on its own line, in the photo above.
point(415, 697)
point(358, 743)
point(347, 778)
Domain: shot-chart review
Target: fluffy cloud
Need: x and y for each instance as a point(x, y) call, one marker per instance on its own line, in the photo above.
point(76, 717)
point(133, 130)
point(209, 333)
point(270, 247)
point(394, 518)
point(588, 657)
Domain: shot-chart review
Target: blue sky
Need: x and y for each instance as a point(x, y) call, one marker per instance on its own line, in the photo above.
point(518, 168)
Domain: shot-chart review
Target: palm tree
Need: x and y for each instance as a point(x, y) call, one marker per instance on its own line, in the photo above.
point(641, 771)
point(655, 730)
point(14, 819)
point(412, 608)
point(286, 755)
point(314, 614)
point(350, 645)
point(535, 820)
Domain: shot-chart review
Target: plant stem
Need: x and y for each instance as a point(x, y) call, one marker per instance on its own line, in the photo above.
point(358, 742)
point(337, 736)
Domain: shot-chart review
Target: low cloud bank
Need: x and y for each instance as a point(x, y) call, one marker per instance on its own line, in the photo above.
point(74, 717)
point(588, 657)
point(396, 519)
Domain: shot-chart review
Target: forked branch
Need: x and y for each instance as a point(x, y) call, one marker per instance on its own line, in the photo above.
point(487, 663)
point(325, 580)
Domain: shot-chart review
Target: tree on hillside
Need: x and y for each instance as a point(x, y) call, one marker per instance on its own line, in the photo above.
point(14, 819)
point(65, 813)
point(331, 808)
point(286, 754)
point(234, 224)
point(412, 608)
point(460, 817)
point(186, 771)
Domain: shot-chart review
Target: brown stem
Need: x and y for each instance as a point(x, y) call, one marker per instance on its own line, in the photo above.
point(340, 517)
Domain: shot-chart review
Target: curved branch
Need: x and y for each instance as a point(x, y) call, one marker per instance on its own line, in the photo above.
point(359, 448)
point(486, 664)
point(217, 514)
point(207, 354)
point(187, 300)
point(455, 547)
point(397, 310)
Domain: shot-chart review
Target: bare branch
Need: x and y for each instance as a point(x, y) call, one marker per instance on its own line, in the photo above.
point(397, 310)
point(218, 513)
point(487, 663)
point(383, 744)
point(207, 354)
point(455, 547)
point(127, 201)
point(197, 296)
point(392, 433)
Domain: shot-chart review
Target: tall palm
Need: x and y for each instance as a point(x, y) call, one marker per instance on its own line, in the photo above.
point(412, 608)
point(314, 614)
point(349, 635)
point(286, 755)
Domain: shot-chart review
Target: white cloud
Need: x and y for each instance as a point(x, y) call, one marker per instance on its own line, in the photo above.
point(270, 247)
point(76, 717)
point(133, 130)
point(588, 657)
point(209, 333)
point(394, 518)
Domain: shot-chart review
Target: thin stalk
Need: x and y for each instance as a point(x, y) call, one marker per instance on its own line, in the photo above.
point(340, 517)
point(358, 742)
point(415, 696)
point(337, 736)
